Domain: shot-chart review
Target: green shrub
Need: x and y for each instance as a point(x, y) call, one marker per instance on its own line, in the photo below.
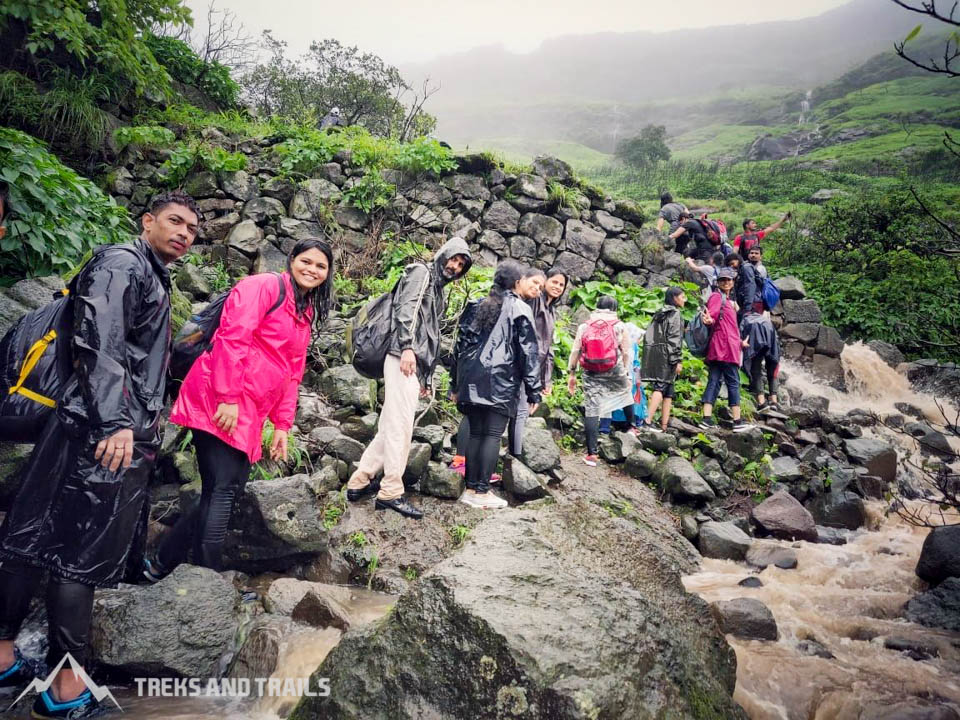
point(57, 216)
point(146, 136)
point(370, 192)
point(185, 65)
point(190, 156)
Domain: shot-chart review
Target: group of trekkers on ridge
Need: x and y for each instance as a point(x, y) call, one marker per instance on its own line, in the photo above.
point(92, 403)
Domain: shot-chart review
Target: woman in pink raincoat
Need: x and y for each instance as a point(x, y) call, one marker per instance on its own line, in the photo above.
point(251, 373)
point(724, 352)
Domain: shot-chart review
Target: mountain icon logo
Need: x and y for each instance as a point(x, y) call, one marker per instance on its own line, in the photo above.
point(39, 686)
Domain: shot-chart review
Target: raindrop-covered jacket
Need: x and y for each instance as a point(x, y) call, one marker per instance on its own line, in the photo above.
point(256, 361)
point(419, 305)
point(492, 365)
point(663, 345)
point(763, 340)
point(70, 514)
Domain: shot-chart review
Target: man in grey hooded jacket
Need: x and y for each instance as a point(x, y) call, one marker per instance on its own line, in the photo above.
point(419, 304)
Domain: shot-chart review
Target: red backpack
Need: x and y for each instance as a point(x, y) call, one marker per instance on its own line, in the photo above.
point(598, 346)
point(715, 231)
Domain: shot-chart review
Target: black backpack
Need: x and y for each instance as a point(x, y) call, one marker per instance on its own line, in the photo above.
point(196, 335)
point(369, 334)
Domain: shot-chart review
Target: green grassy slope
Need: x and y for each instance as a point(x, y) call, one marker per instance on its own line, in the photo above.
point(523, 150)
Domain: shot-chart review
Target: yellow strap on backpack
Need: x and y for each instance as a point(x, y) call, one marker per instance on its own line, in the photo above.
point(29, 363)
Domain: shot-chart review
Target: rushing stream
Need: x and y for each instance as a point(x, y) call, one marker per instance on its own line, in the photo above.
point(842, 606)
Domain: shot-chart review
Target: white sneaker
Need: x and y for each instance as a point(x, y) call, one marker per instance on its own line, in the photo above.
point(469, 497)
point(489, 501)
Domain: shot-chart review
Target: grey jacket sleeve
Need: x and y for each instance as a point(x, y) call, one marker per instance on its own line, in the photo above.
point(675, 340)
point(407, 300)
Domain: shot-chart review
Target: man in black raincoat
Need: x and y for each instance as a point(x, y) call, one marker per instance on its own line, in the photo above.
point(85, 484)
point(419, 304)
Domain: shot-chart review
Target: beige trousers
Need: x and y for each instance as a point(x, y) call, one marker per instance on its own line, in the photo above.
point(389, 449)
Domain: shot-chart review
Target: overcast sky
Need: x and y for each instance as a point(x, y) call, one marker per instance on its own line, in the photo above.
point(403, 31)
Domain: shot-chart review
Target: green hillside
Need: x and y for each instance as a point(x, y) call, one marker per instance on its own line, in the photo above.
point(523, 150)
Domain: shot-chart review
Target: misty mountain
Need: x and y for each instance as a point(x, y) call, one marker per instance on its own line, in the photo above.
point(488, 91)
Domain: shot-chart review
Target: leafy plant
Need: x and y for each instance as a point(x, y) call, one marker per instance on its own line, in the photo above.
point(185, 65)
point(146, 136)
point(332, 512)
point(221, 279)
point(185, 158)
point(370, 192)
point(358, 539)
point(56, 215)
point(459, 534)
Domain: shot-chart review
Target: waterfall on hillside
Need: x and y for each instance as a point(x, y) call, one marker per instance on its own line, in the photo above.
point(805, 107)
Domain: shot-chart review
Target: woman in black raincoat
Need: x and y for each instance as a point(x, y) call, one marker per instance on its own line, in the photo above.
point(495, 356)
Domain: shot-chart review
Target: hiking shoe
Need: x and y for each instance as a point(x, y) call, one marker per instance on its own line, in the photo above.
point(400, 505)
point(495, 478)
point(17, 675)
point(489, 501)
point(653, 427)
point(740, 426)
point(459, 465)
point(590, 460)
point(84, 706)
point(372, 488)
point(152, 571)
point(707, 423)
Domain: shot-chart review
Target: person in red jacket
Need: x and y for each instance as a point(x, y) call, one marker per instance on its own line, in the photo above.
point(252, 373)
point(724, 352)
point(751, 236)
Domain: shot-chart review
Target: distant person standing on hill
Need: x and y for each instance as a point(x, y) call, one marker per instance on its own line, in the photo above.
point(751, 236)
point(670, 212)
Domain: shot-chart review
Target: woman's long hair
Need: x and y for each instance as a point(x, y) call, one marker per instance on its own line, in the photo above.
point(508, 274)
point(319, 297)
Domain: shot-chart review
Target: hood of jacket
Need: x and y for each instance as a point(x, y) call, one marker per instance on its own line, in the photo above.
point(452, 247)
point(663, 312)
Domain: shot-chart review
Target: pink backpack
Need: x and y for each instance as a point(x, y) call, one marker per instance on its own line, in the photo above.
point(598, 346)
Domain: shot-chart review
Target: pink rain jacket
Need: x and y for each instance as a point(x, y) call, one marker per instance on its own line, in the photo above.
point(256, 360)
point(725, 340)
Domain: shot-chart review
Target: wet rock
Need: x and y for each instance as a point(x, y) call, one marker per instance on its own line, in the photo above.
point(484, 609)
point(640, 464)
point(180, 626)
point(470, 187)
point(711, 471)
point(540, 452)
point(240, 184)
point(279, 188)
point(751, 582)
point(200, 185)
point(351, 217)
point(267, 637)
point(269, 259)
point(781, 516)
point(345, 448)
point(829, 369)
point(615, 447)
point(801, 311)
point(939, 607)
point(839, 509)
point(532, 186)
point(814, 649)
point(750, 445)
point(344, 386)
point(263, 210)
point(890, 354)
point(831, 536)
point(612, 224)
point(552, 168)
point(284, 594)
point(583, 239)
point(311, 197)
point(331, 171)
point(870, 487)
point(493, 240)
point(940, 555)
point(689, 527)
point(786, 469)
point(574, 266)
point(433, 435)
point(247, 237)
point(321, 611)
point(543, 229)
point(878, 457)
point(931, 442)
point(678, 478)
point(501, 217)
point(417, 462)
point(442, 482)
point(521, 482)
point(657, 442)
point(621, 254)
point(522, 247)
point(911, 710)
point(277, 523)
point(429, 193)
point(791, 288)
point(911, 647)
point(363, 428)
point(746, 618)
point(829, 342)
point(763, 554)
point(723, 540)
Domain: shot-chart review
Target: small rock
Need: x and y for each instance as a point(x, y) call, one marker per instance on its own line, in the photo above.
point(521, 482)
point(239, 184)
point(322, 611)
point(263, 210)
point(689, 527)
point(746, 618)
point(781, 516)
point(344, 386)
point(442, 482)
point(763, 554)
point(914, 649)
point(814, 649)
point(791, 288)
point(831, 536)
point(749, 445)
point(801, 311)
point(751, 582)
point(940, 555)
point(723, 540)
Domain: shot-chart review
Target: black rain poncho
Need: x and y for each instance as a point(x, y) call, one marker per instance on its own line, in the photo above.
point(663, 345)
point(764, 341)
point(70, 514)
point(490, 366)
point(419, 305)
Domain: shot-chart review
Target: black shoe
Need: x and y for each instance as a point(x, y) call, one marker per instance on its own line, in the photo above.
point(400, 505)
point(372, 488)
point(153, 571)
point(17, 675)
point(84, 706)
point(707, 423)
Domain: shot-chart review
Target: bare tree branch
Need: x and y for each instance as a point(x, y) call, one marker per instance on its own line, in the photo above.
point(930, 8)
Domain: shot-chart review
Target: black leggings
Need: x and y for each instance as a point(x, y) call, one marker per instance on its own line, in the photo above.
point(223, 472)
point(483, 449)
point(69, 609)
point(591, 425)
point(758, 367)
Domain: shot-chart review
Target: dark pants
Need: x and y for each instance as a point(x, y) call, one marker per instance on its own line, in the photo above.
point(223, 472)
point(727, 373)
point(758, 367)
point(463, 436)
point(591, 425)
point(69, 609)
point(516, 427)
point(483, 449)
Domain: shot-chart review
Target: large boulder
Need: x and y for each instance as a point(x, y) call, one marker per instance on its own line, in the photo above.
point(763, 554)
point(746, 618)
point(312, 198)
point(723, 540)
point(679, 479)
point(552, 168)
point(285, 593)
point(574, 266)
point(791, 288)
point(180, 626)
point(651, 651)
point(343, 386)
point(939, 607)
point(540, 452)
point(621, 254)
point(521, 482)
point(877, 456)
point(838, 509)
point(782, 516)
point(502, 217)
point(889, 353)
point(584, 240)
point(940, 556)
point(542, 228)
point(796, 311)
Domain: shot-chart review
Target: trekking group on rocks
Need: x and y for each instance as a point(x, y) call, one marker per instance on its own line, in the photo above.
point(92, 403)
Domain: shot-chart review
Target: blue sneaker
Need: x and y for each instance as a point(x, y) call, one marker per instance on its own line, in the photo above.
point(83, 706)
point(152, 571)
point(16, 676)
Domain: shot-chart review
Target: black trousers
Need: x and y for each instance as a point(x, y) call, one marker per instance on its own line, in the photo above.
point(483, 448)
point(69, 609)
point(223, 472)
point(591, 426)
